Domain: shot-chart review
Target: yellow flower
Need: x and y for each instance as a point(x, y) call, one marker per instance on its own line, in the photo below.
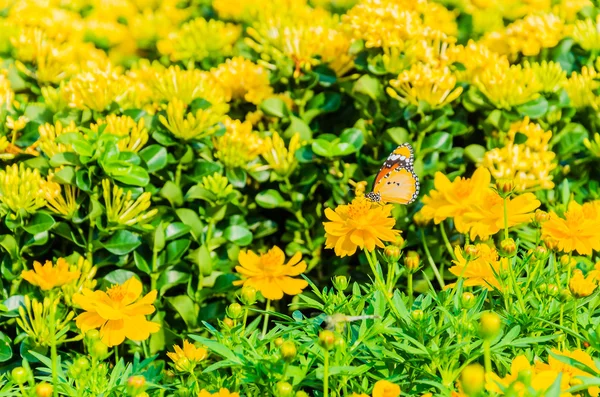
point(568, 373)
point(53, 97)
point(18, 124)
point(187, 357)
point(550, 75)
point(133, 136)
point(187, 125)
point(20, 189)
point(48, 135)
point(65, 205)
point(539, 380)
point(581, 286)
point(484, 270)
point(383, 388)
point(245, 79)
point(508, 85)
point(568, 9)
point(527, 36)
point(187, 85)
point(199, 39)
point(486, 217)
point(359, 395)
point(34, 318)
point(268, 274)
point(7, 95)
point(221, 393)
point(453, 199)
point(48, 276)
point(578, 230)
point(580, 88)
point(359, 224)
point(119, 312)
point(528, 164)
point(85, 279)
point(239, 146)
point(96, 89)
point(586, 34)
point(435, 86)
point(474, 58)
point(122, 209)
point(280, 159)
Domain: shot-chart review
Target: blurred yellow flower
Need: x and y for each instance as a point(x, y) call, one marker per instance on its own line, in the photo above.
point(527, 36)
point(580, 88)
point(49, 276)
point(453, 199)
point(281, 159)
point(269, 274)
point(187, 356)
point(485, 270)
point(473, 58)
point(593, 145)
point(244, 79)
point(87, 272)
point(577, 230)
point(48, 135)
point(187, 125)
point(133, 135)
point(508, 85)
point(239, 146)
point(384, 388)
point(122, 209)
point(581, 286)
point(486, 217)
point(221, 393)
point(199, 39)
point(569, 373)
point(20, 189)
point(95, 90)
point(550, 75)
point(586, 34)
point(359, 224)
point(528, 164)
point(7, 95)
point(119, 312)
point(187, 85)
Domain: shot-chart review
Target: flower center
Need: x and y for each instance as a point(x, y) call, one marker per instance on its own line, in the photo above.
point(270, 261)
point(116, 293)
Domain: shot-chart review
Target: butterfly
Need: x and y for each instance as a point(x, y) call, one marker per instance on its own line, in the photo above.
point(396, 181)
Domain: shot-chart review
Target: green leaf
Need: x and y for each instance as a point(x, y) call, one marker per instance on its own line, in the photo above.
point(155, 157)
point(65, 175)
point(67, 158)
point(369, 86)
point(475, 153)
point(192, 220)
point(6, 352)
point(9, 243)
point(398, 134)
point(354, 137)
point(176, 249)
point(39, 223)
point(38, 112)
point(270, 199)
point(172, 193)
point(238, 235)
point(176, 230)
point(129, 174)
point(141, 263)
point(534, 109)
point(122, 242)
point(118, 276)
point(237, 177)
point(298, 125)
point(274, 107)
point(217, 348)
point(186, 308)
point(439, 141)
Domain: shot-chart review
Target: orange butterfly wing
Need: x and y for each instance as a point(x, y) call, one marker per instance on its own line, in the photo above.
point(399, 185)
point(402, 156)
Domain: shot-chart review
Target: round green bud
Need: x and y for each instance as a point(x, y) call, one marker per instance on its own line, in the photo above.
point(20, 375)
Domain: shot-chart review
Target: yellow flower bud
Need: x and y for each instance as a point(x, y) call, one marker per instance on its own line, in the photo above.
point(392, 253)
point(505, 186)
point(489, 325)
point(234, 311)
point(417, 315)
point(278, 342)
point(44, 390)
point(467, 300)
point(19, 375)
point(340, 283)
point(284, 389)
point(472, 379)
point(411, 261)
point(327, 339)
point(288, 351)
point(472, 252)
point(508, 247)
point(541, 216)
point(248, 295)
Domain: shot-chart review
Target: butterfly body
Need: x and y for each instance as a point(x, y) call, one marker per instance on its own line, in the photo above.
point(396, 181)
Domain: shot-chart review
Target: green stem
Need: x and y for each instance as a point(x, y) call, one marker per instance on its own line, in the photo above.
point(575, 325)
point(90, 243)
point(245, 320)
point(487, 356)
point(380, 284)
point(436, 272)
point(447, 241)
point(154, 275)
point(53, 348)
point(505, 218)
point(409, 283)
point(326, 374)
point(516, 287)
point(266, 323)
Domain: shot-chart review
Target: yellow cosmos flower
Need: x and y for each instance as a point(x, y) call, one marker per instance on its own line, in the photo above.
point(187, 357)
point(453, 199)
point(245, 79)
point(280, 158)
point(239, 146)
point(578, 229)
point(486, 218)
point(189, 125)
point(221, 393)
point(568, 373)
point(359, 224)
point(199, 39)
point(268, 274)
point(49, 276)
point(581, 286)
point(133, 135)
point(383, 388)
point(434, 86)
point(484, 270)
point(119, 312)
point(20, 189)
point(539, 380)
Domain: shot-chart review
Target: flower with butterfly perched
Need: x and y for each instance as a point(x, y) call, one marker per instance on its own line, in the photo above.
point(359, 224)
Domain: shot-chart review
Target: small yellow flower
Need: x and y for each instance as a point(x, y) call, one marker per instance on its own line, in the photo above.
point(58, 202)
point(423, 83)
point(122, 209)
point(133, 136)
point(550, 75)
point(87, 272)
point(593, 145)
point(187, 125)
point(484, 270)
point(119, 312)
point(48, 135)
point(269, 274)
point(221, 393)
point(577, 230)
point(96, 89)
point(187, 85)
point(281, 159)
point(7, 95)
point(20, 189)
point(34, 318)
point(581, 286)
point(586, 34)
point(359, 224)
point(245, 79)
point(239, 146)
point(187, 357)
point(384, 388)
point(199, 39)
point(580, 88)
point(49, 276)
point(18, 124)
point(508, 85)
